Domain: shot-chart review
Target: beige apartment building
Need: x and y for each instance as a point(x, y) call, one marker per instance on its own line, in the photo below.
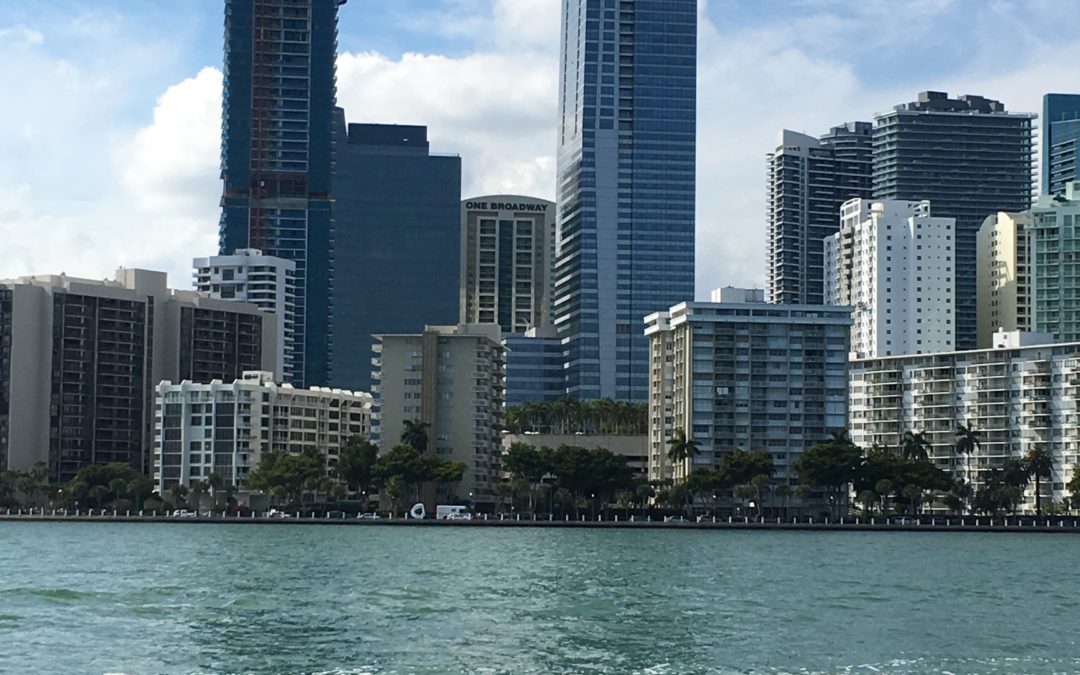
point(79, 360)
point(507, 253)
point(1002, 276)
point(452, 378)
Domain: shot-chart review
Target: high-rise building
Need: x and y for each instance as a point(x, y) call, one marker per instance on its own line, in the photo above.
point(450, 377)
point(507, 244)
point(809, 179)
point(267, 282)
point(277, 153)
point(1021, 395)
point(534, 367)
point(1060, 142)
point(223, 428)
point(740, 373)
point(893, 262)
point(398, 223)
point(1054, 255)
point(1003, 291)
point(626, 180)
point(970, 158)
point(79, 360)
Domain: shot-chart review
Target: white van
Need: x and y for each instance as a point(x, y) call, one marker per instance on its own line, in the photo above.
point(444, 512)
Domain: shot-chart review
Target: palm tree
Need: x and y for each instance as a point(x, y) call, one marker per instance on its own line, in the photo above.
point(118, 487)
point(198, 489)
point(100, 495)
point(1040, 465)
point(178, 491)
point(967, 441)
point(513, 420)
point(913, 493)
point(914, 446)
point(683, 449)
point(215, 481)
point(414, 434)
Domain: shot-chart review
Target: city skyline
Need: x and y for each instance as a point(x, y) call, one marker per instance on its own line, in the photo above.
point(126, 170)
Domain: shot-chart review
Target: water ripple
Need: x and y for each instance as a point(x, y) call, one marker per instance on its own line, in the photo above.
point(114, 598)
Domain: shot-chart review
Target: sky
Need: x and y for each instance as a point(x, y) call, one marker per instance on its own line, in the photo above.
point(110, 132)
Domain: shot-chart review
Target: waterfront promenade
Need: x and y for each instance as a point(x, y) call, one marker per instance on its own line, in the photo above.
point(1044, 524)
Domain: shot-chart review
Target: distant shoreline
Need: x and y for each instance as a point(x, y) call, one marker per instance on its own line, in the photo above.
point(1064, 526)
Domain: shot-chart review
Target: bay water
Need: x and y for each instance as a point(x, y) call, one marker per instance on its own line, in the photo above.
point(291, 598)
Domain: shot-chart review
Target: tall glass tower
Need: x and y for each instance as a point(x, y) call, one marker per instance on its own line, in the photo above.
point(969, 157)
point(1060, 142)
point(808, 180)
point(277, 153)
point(626, 179)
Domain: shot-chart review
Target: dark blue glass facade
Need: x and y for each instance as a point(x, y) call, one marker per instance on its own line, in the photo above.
point(534, 369)
point(626, 181)
point(397, 219)
point(277, 153)
point(1060, 142)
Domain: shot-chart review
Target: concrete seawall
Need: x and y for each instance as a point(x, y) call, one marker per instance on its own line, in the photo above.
point(1065, 526)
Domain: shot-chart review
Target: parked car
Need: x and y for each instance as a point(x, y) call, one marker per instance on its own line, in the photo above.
point(274, 513)
point(369, 516)
point(675, 519)
point(184, 513)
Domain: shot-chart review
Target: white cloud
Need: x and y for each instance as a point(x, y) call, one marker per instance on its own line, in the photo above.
point(495, 110)
point(21, 34)
point(170, 178)
point(157, 205)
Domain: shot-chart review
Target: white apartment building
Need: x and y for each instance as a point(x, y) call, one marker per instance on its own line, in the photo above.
point(452, 378)
point(740, 373)
point(265, 281)
point(1002, 276)
point(1018, 395)
point(894, 263)
point(223, 428)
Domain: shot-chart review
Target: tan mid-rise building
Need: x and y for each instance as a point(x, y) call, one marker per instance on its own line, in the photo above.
point(450, 377)
point(507, 251)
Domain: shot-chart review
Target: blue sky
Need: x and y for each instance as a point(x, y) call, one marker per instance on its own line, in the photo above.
point(110, 144)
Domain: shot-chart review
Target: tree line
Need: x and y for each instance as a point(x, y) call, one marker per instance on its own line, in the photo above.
point(569, 415)
point(567, 479)
point(883, 480)
point(293, 480)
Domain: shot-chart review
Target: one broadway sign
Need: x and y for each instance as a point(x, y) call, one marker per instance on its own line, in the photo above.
point(505, 206)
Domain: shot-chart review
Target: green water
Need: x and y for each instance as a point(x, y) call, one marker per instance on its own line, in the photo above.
point(189, 598)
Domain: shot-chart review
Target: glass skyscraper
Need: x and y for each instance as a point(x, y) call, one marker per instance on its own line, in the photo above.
point(626, 180)
point(277, 153)
point(808, 180)
point(397, 216)
point(1060, 142)
point(970, 158)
